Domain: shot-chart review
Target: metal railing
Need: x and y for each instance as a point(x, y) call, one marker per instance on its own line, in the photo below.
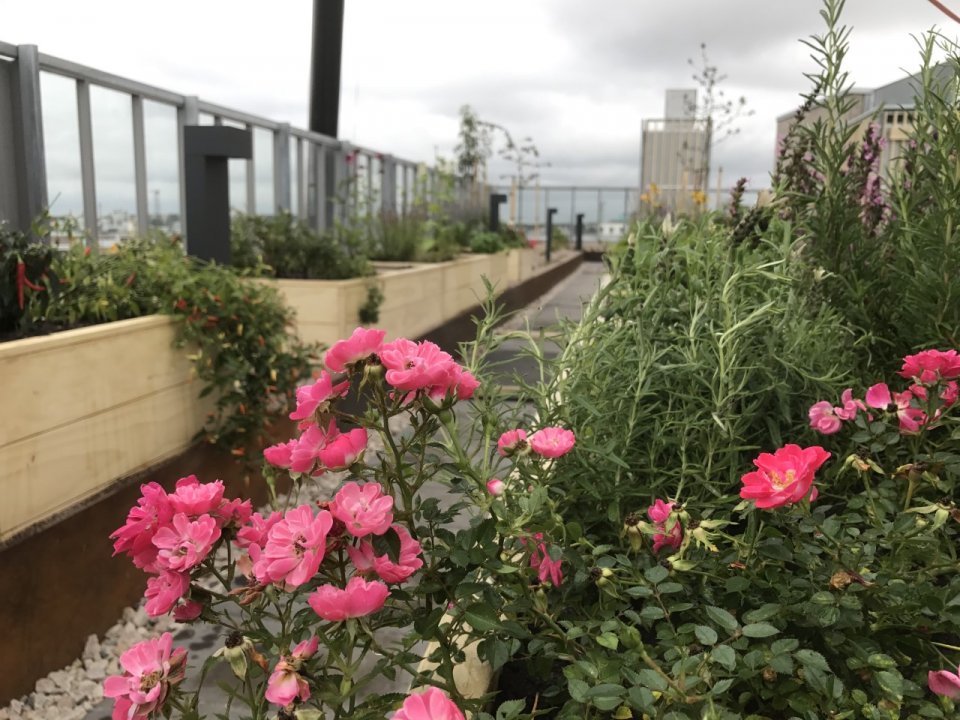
point(319, 178)
point(526, 206)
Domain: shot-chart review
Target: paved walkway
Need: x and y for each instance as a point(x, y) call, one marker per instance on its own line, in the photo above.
point(564, 301)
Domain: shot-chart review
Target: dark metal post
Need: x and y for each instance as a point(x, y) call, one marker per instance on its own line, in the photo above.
point(579, 231)
point(550, 213)
point(206, 150)
point(325, 66)
point(496, 199)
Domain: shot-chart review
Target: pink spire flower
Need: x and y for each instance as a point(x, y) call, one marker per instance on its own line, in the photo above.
point(281, 454)
point(164, 591)
point(343, 450)
point(295, 547)
point(185, 544)
point(848, 411)
point(135, 538)
point(943, 682)
point(317, 397)
point(408, 562)
point(151, 668)
point(364, 509)
point(194, 498)
point(823, 419)
point(431, 704)
point(512, 442)
point(930, 366)
point(286, 683)
point(358, 599)
point(362, 344)
point(552, 442)
point(783, 478)
point(659, 513)
point(911, 418)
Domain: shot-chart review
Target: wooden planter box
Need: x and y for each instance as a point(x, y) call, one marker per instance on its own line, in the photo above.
point(418, 297)
point(85, 407)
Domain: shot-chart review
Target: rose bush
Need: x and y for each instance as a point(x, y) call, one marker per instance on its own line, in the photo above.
point(305, 591)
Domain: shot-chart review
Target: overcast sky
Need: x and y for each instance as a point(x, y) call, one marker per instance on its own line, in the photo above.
point(578, 77)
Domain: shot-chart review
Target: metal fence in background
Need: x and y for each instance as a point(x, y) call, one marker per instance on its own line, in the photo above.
point(108, 151)
point(605, 209)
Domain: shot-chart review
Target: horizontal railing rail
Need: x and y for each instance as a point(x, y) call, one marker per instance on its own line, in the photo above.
point(319, 178)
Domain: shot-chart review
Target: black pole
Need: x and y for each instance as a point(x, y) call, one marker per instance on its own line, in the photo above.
point(579, 231)
point(325, 66)
point(206, 150)
point(496, 199)
point(550, 214)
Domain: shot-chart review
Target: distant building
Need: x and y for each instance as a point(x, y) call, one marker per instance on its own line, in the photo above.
point(611, 230)
point(675, 153)
point(890, 107)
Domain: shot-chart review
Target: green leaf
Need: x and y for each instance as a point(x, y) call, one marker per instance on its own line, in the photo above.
point(651, 612)
point(881, 661)
point(759, 630)
point(669, 587)
point(724, 655)
point(811, 658)
point(652, 680)
point(705, 634)
point(722, 618)
point(510, 709)
point(608, 640)
point(656, 574)
point(784, 645)
point(608, 690)
point(578, 689)
point(481, 617)
point(891, 683)
point(721, 687)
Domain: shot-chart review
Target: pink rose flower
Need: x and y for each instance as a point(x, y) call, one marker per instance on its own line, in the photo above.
point(929, 366)
point(495, 487)
point(344, 449)
point(548, 570)
point(281, 454)
point(311, 442)
point(311, 398)
point(415, 366)
point(135, 538)
point(362, 556)
point(235, 513)
point(823, 419)
point(256, 532)
point(364, 509)
point(552, 442)
point(467, 385)
point(286, 683)
point(408, 562)
point(512, 442)
point(295, 547)
point(358, 599)
point(362, 344)
point(850, 407)
point(659, 513)
point(185, 544)
point(943, 682)
point(431, 704)
point(150, 669)
point(783, 478)
point(187, 611)
point(911, 418)
point(164, 591)
point(194, 498)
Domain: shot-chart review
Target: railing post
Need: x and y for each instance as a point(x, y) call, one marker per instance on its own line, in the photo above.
point(188, 114)
point(550, 213)
point(388, 184)
point(30, 162)
point(87, 169)
point(140, 165)
point(496, 199)
point(282, 197)
point(579, 231)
